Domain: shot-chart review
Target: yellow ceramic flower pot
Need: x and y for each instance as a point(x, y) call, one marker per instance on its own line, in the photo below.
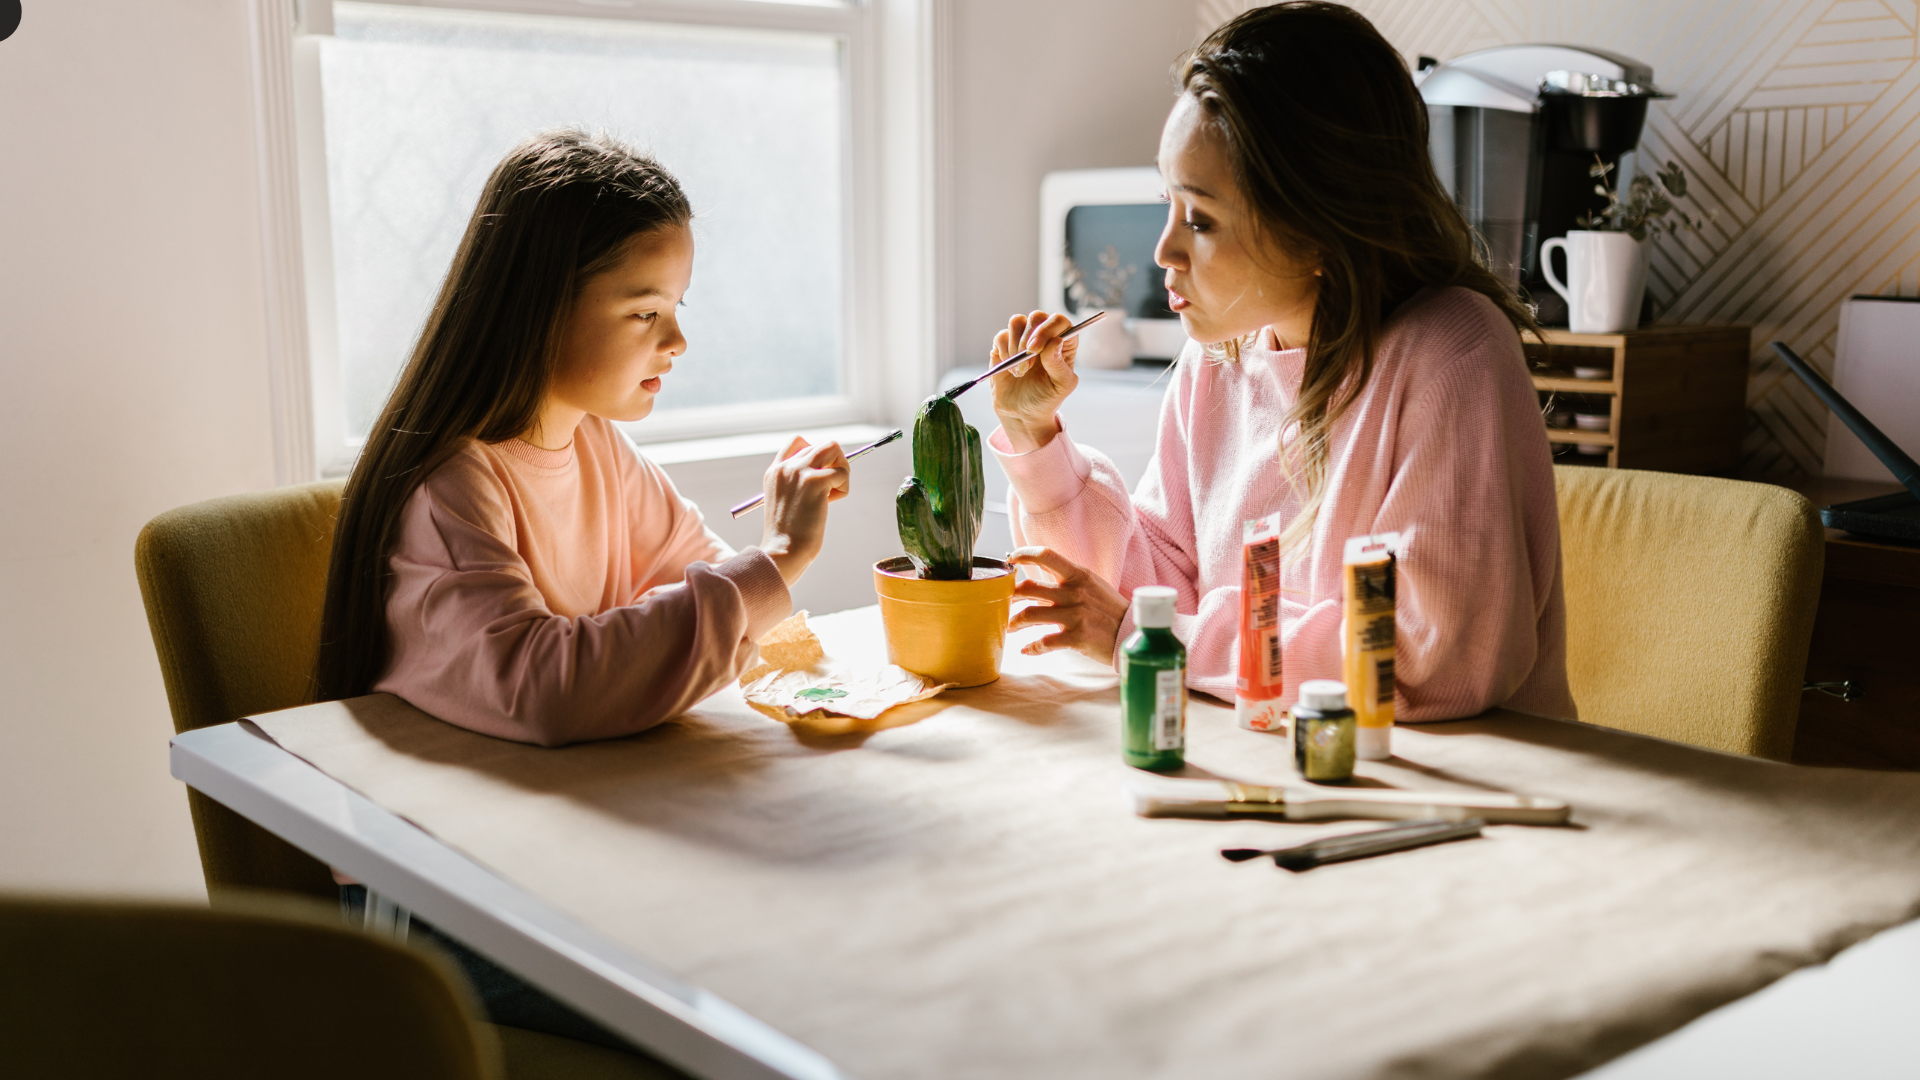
point(948, 631)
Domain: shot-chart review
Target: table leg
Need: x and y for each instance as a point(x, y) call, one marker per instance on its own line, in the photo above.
point(383, 916)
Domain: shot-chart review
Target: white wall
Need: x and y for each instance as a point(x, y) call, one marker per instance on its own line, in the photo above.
point(1057, 84)
point(130, 382)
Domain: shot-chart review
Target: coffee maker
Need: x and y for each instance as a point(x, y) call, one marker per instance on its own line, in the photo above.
point(1515, 131)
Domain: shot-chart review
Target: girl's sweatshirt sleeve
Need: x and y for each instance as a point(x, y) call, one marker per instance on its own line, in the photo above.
point(475, 644)
point(1072, 499)
point(667, 530)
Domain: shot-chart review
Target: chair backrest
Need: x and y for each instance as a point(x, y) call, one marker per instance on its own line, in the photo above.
point(1690, 604)
point(255, 988)
point(234, 589)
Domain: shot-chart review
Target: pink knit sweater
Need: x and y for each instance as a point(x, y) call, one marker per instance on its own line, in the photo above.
point(1444, 445)
point(558, 596)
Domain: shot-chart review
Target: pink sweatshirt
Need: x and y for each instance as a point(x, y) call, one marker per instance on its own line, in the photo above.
point(1444, 445)
point(555, 596)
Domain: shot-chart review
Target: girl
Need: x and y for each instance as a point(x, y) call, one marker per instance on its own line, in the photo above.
point(503, 559)
point(1353, 366)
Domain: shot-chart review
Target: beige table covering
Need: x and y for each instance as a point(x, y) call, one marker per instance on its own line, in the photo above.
point(969, 895)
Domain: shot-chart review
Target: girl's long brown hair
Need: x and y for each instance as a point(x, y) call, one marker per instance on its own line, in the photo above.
point(559, 209)
point(1327, 137)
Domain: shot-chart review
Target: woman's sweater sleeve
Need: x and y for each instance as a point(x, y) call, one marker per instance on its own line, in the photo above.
point(1072, 499)
point(1472, 495)
point(475, 643)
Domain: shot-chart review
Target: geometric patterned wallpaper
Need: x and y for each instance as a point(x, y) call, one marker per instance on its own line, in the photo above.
point(1798, 122)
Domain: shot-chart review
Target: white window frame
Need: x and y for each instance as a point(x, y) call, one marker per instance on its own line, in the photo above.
point(893, 115)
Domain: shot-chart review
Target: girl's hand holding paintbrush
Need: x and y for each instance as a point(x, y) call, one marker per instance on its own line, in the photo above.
point(1027, 396)
point(799, 484)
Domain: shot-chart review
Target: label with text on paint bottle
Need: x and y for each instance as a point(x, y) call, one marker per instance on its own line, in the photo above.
point(1257, 689)
point(1170, 709)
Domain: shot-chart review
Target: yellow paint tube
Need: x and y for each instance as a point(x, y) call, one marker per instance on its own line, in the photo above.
point(1368, 646)
point(1256, 693)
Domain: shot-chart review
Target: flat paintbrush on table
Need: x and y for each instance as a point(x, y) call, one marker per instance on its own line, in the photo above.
point(1166, 796)
point(1024, 354)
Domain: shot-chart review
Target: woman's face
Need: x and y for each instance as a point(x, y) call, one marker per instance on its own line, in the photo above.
point(623, 332)
point(1223, 279)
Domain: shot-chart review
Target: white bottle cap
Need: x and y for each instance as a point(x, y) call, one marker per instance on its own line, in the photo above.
point(1153, 606)
point(1373, 743)
point(1320, 695)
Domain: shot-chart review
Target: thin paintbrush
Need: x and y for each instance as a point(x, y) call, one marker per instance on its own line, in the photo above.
point(874, 445)
point(950, 395)
point(1361, 845)
point(1024, 354)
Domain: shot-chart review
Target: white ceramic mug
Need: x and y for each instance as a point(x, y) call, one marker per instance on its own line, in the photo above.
point(1606, 279)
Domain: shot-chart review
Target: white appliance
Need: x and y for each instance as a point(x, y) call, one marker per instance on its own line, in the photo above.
point(1877, 367)
point(1087, 214)
point(1516, 130)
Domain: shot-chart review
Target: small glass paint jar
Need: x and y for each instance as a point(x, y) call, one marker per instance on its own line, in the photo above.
point(1323, 732)
point(1153, 685)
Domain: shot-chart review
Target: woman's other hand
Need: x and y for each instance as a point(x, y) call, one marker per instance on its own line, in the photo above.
point(1086, 609)
point(799, 484)
point(1027, 396)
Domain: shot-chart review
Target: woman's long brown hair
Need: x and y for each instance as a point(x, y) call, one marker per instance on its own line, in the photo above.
point(559, 209)
point(1327, 137)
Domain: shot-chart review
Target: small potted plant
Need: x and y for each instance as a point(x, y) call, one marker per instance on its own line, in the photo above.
point(945, 610)
point(1607, 256)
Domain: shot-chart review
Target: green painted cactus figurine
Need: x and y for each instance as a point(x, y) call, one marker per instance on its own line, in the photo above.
point(940, 505)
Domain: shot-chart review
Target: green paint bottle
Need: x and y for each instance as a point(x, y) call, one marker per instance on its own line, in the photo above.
point(1153, 684)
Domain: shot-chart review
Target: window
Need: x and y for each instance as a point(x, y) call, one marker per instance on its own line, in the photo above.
point(758, 106)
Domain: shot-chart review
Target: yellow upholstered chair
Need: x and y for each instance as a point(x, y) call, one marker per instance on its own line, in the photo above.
point(233, 589)
point(1690, 604)
point(258, 987)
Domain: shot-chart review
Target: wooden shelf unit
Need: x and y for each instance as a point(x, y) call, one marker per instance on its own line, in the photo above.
point(1677, 395)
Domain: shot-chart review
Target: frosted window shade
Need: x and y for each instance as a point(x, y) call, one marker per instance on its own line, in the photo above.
point(422, 103)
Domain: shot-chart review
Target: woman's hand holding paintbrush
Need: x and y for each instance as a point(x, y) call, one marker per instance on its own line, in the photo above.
point(1083, 608)
point(1027, 397)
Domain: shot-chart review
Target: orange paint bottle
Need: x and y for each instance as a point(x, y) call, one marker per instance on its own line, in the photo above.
point(1256, 693)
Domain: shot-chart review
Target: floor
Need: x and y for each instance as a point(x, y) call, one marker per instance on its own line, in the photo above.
point(1853, 1018)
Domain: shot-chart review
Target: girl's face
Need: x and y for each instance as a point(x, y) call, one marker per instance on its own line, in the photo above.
point(623, 331)
point(1223, 279)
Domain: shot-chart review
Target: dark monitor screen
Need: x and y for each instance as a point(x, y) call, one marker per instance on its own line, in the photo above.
point(1112, 248)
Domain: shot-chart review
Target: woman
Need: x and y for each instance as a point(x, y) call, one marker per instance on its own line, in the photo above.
point(1354, 366)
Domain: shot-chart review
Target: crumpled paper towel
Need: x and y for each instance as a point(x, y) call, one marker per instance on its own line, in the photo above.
point(795, 679)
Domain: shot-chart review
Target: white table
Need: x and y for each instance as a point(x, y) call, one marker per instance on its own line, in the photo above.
point(238, 766)
point(1848, 1018)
